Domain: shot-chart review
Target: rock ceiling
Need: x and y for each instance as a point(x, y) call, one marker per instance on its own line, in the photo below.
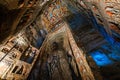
point(23, 22)
point(15, 16)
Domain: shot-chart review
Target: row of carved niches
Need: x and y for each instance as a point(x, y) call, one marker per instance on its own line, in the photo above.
point(17, 50)
point(27, 16)
point(18, 54)
point(22, 45)
point(35, 35)
point(8, 18)
point(27, 58)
